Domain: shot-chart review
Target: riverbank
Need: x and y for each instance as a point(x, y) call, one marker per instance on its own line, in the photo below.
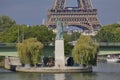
point(13, 63)
point(54, 69)
point(103, 71)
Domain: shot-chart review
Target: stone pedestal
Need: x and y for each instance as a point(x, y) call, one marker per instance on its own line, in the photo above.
point(59, 53)
point(7, 64)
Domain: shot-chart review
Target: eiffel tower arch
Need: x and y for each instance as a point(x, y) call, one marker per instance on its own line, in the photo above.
point(83, 15)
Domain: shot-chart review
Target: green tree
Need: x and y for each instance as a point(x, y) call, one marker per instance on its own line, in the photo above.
point(109, 33)
point(75, 36)
point(29, 51)
point(85, 51)
point(67, 37)
point(68, 48)
point(6, 22)
point(2, 58)
point(42, 33)
point(1, 37)
point(21, 32)
point(71, 37)
point(10, 35)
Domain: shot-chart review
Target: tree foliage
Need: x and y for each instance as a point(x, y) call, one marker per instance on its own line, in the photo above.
point(2, 58)
point(85, 51)
point(68, 48)
point(10, 31)
point(71, 37)
point(29, 51)
point(10, 35)
point(68, 38)
point(109, 33)
point(6, 22)
point(21, 32)
point(42, 33)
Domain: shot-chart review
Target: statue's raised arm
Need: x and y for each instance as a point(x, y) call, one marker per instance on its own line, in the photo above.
point(59, 29)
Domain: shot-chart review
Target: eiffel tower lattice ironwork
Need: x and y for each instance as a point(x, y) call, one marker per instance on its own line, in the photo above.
point(83, 16)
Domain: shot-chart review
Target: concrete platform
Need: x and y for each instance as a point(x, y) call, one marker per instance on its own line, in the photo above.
point(54, 69)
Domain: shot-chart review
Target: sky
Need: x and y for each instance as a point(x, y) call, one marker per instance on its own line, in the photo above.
point(32, 12)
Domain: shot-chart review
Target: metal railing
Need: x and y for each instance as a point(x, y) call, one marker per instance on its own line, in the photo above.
point(72, 43)
point(8, 44)
point(101, 43)
point(109, 43)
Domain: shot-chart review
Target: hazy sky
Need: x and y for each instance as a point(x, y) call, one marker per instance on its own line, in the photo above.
point(32, 12)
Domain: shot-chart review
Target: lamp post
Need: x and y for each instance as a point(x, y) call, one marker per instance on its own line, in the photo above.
point(23, 34)
point(18, 34)
point(75, 34)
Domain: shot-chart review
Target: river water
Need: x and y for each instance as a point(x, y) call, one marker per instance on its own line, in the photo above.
point(103, 71)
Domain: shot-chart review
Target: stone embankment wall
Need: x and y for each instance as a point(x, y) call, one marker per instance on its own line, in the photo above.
point(54, 69)
point(11, 61)
point(7, 65)
point(14, 62)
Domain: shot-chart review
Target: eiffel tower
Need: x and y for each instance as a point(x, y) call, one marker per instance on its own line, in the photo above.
point(83, 16)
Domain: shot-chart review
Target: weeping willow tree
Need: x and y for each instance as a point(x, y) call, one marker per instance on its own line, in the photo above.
point(85, 51)
point(29, 51)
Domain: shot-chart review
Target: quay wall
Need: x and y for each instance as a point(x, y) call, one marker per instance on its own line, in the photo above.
point(14, 64)
point(54, 69)
point(11, 62)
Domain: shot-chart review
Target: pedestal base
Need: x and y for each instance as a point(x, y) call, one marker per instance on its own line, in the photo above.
point(59, 53)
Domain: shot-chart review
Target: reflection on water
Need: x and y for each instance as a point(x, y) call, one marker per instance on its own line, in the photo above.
point(3, 70)
point(69, 76)
point(102, 72)
point(59, 77)
point(85, 76)
point(47, 76)
point(107, 67)
point(29, 76)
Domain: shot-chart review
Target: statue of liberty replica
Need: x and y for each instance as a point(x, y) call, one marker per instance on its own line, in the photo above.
point(59, 45)
point(59, 28)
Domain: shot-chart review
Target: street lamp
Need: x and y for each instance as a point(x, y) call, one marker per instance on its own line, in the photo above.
point(18, 34)
point(23, 34)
